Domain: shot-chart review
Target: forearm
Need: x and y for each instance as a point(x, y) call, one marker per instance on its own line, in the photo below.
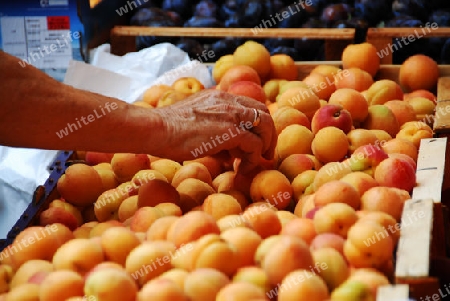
point(39, 112)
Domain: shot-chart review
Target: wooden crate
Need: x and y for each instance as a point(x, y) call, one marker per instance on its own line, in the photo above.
point(123, 38)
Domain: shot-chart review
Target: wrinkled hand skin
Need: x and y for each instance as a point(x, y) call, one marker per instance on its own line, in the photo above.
point(212, 121)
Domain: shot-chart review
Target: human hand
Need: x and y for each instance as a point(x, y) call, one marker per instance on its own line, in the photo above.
point(212, 121)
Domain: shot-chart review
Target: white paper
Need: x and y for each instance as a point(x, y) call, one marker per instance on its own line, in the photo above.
point(126, 78)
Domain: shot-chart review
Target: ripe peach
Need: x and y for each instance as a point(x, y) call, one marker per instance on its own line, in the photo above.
point(236, 73)
point(353, 101)
point(246, 241)
point(254, 55)
point(169, 209)
point(110, 284)
point(353, 78)
point(192, 193)
point(364, 249)
point(241, 291)
point(249, 89)
point(144, 218)
point(161, 289)
point(214, 164)
point(383, 91)
point(371, 278)
point(300, 98)
point(278, 193)
point(319, 83)
point(265, 246)
point(61, 285)
point(282, 66)
point(239, 196)
point(152, 94)
point(286, 116)
point(381, 117)
point(224, 181)
point(178, 276)
point(289, 254)
point(337, 269)
point(193, 170)
point(79, 255)
point(117, 242)
point(211, 251)
point(27, 270)
point(359, 137)
point(396, 172)
point(382, 135)
point(222, 65)
point(149, 260)
point(302, 184)
point(385, 220)
point(303, 285)
point(145, 176)
point(402, 110)
point(362, 56)
point(421, 106)
point(188, 85)
point(109, 179)
point(335, 218)
point(360, 180)
point(219, 205)
point(263, 220)
point(422, 93)
point(337, 191)
point(203, 284)
point(60, 215)
point(286, 85)
point(24, 292)
point(98, 229)
point(419, 72)
point(167, 167)
point(401, 146)
point(300, 227)
point(170, 97)
point(158, 230)
point(190, 227)
point(254, 275)
point(44, 240)
point(126, 165)
point(294, 139)
point(415, 131)
point(128, 208)
point(271, 89)
point(80, 185)
point(232, 221)
point(328, 240)
point(294, 165)
point(329, 172)
point(330, 144)
point(385, 199)
point(329, 71)
point(155, 192)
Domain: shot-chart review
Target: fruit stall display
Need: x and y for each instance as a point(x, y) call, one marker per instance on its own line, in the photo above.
point(356, 158)
point(258, 16)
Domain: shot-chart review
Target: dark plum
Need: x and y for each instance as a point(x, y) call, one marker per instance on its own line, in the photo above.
point(419, 9)
point(403, 21)
point(336, 12)
point(192, 47)
point(227, 9)
point(291, 16)
point(224, 46)
point(441, 17)
point(373, 11)
point(183, 7)
point(273, 43)
point(206, 8)
point(233, 21)
point(251, 13)
point(197, 21)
